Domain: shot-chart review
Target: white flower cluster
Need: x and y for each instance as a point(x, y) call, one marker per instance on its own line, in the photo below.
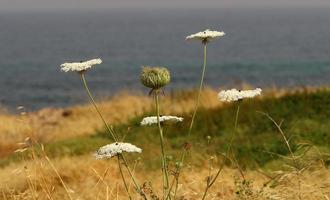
point(206, 35)
point(110, 150)
point(235, 95)
point(80, 66)
point(153, 120)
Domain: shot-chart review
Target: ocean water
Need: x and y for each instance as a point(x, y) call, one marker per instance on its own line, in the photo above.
point(264, 48)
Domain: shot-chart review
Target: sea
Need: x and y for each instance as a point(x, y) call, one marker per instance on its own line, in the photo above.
point(265, 48)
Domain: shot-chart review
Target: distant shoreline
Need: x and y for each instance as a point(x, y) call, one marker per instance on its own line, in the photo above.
point(273, 91)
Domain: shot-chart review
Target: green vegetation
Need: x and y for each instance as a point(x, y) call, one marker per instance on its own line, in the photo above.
point(305, 119)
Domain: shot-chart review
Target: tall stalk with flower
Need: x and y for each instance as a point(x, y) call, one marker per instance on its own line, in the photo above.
point(156, 78)
point(205, 37)
point(232, 95)
point(117, 148)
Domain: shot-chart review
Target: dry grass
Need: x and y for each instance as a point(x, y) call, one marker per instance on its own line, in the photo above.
point(55, 124)
point(87, 178)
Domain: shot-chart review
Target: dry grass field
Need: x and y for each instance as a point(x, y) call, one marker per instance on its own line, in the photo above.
point(56, 161)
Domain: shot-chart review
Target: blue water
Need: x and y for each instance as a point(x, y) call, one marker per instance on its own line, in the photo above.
point(264, 48)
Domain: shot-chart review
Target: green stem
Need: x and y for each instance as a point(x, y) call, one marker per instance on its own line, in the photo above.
point(294, 162)
point(183, 156)
point(109, 128)
point(137, 187)
point(169, 191)
point(178, 172)
point(123, 177)
point(209, 184)
point(176, 187)
point(199, 93)
point(231, 141)
point(234, 132)
point(161, 137)
point(205, 192)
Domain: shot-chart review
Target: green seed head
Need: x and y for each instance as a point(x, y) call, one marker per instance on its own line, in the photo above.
point(155, 77)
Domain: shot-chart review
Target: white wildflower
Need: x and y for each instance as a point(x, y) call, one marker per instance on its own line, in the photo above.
point(205, 36)
point(110, 150)
point(235, 95)
point(153, 120)
point(80, 66)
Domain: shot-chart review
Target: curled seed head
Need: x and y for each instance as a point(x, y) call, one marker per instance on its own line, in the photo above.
point(155, 77)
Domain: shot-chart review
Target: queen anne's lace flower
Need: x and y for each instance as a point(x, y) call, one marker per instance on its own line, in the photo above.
point(153, 120)
point(80, 66)
point(235, 95)
point(110, 150)
point(205, 36)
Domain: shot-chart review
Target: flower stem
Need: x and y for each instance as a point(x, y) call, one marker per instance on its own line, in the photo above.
point(109, 128)
point(183, 156)
point(161, 137)
point(137, 187)
point(234, 132)
point(199, 93)
point(212, 181)
point(111, 131)
point(205, 192)
point(178, 173)
point(123, 177)
point(232, 139)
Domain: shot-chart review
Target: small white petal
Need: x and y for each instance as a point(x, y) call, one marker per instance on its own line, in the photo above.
point(80, 66)
point(153, 120)
point(235, 95)
point(206, 35)
point(110, 150)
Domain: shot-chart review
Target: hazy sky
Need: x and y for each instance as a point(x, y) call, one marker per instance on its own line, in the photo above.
point(147, 4)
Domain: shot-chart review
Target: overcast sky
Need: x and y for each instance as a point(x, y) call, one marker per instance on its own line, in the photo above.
point(152, 4)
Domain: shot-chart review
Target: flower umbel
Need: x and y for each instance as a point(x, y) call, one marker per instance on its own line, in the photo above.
point(80, 66)
point(155, 77)
point(153, 120)
point(235, 95)
point(205, 36)
point(111, 150)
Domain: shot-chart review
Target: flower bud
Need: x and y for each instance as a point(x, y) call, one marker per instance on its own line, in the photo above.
point(155, 77)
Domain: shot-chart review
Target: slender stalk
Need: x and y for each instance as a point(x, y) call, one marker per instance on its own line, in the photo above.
point(58, 175)
point(161, 138)
point(205, 192)
point(199, 92)
point(234, 132)
point(137, 187)
point(183, 156)
point(178, 174)
point(212, 181)
point(176, 187)
point(123, 177)
point(232, 139)
point(169, 191)
point(294, 161)
point(109, 128)
point(111, 131)
point(133, 172)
